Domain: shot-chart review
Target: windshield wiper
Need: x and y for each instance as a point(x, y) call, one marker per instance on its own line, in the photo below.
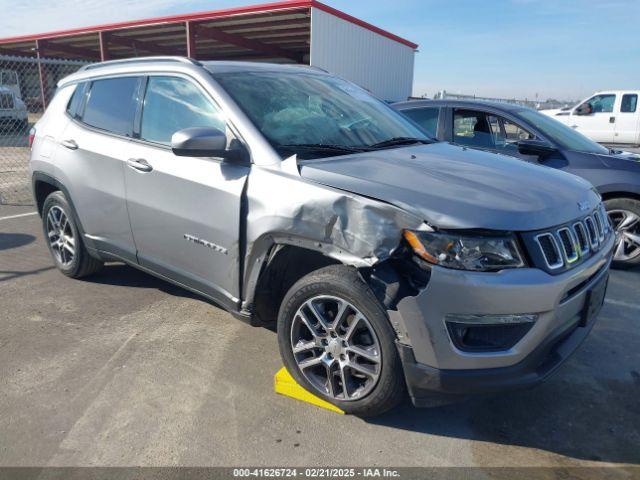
point(322, 147)
point(392, 142)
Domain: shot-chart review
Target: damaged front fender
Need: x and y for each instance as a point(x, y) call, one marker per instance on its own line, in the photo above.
point(284, 208)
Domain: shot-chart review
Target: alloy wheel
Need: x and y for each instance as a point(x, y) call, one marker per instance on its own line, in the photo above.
point(627, 227)
point(60, 236)
point(336, 348)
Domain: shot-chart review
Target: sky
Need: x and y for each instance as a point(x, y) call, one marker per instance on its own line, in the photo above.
point(563, 49)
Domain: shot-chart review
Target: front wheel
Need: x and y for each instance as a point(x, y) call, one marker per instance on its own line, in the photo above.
point(336, 341)
point(624, 214)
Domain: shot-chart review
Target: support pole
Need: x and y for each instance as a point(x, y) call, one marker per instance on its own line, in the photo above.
point(103, 38)
point(42, 74)
point(191, 40)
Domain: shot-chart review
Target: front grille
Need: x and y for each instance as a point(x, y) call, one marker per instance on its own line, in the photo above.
point(550, 250)
point(569, 244)
point(600, 225)
point(563, 247)
point(581, 236)
point(6, 101)
point(591, 231)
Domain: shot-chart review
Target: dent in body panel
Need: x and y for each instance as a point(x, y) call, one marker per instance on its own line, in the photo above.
point(455, 188)
point(284, 208)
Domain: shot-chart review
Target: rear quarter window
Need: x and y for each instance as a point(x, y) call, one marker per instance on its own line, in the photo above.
point(111, 105)
point(75, 102)
point(426, 118)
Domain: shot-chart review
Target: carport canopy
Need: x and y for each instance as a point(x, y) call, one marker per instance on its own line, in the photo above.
point(279, 32)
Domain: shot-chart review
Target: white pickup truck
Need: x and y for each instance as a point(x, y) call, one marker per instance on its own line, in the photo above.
point(611, 117)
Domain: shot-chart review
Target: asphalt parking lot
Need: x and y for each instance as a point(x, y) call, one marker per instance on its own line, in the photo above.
point(123, 369)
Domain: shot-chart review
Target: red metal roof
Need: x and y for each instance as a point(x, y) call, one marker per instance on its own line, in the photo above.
point(209, 15)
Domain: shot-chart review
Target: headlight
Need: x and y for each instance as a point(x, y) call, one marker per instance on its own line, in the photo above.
point(466, 252)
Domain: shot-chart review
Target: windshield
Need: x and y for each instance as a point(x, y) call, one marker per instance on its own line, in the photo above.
point(564, 136)
point(316, 115)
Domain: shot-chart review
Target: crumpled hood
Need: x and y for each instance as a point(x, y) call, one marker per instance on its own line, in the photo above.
point(455, 187)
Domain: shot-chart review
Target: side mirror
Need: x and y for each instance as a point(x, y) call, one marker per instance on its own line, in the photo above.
point(538, 148)
point(202, 142)
point(584, 109)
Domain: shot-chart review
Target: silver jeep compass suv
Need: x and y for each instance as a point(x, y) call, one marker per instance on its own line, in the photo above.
point(390, 262)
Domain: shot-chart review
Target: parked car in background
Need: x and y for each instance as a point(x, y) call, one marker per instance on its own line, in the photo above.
point(525, 134)
point(10, 79)
point(390, 261)
point(611, 117)
point(13, 112)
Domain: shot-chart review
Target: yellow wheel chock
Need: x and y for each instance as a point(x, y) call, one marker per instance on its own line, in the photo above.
point(284, 384)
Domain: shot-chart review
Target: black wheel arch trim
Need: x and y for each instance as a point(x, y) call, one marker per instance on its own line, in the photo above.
point(261, 251)
point(609, 192)
point(46, 178)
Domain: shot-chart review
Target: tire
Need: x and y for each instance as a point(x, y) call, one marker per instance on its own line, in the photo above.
point(371, 335)
point(73, 260)
point(617, 208)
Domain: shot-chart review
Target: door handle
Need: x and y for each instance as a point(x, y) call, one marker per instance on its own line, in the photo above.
point(139, 164)
point(612, 119)
point(70, 144)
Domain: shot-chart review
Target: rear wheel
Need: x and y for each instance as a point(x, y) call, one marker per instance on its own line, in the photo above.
point(336, 341)
point(625, 218)
point(64, 240)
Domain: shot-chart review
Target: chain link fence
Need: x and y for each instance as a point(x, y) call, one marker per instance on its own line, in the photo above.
point(26, 87)
point(537, 104)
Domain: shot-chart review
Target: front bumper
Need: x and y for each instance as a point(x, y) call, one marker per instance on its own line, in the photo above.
point(431, 361)
point(12, 117)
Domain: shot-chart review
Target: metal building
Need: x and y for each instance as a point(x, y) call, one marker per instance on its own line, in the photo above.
point(297, 31)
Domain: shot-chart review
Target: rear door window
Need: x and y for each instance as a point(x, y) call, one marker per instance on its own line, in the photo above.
point(426, 118)
point(629, 103)
point(172, 104)
point(111, 105)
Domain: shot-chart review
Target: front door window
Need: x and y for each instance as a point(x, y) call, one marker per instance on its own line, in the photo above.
point(508, 136)
point(472, 128)
point(601, 103)
point(172, 104)
point(487, 131)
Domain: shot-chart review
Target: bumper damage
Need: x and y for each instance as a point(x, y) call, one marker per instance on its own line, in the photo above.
point(566, 307)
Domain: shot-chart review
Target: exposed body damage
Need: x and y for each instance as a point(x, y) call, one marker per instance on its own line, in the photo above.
point(347, 228)
point(293, 196)
point(419, 296)
point(451, 187)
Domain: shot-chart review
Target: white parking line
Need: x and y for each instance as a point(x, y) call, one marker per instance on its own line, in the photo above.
point(620, 303)
point(18, 216)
